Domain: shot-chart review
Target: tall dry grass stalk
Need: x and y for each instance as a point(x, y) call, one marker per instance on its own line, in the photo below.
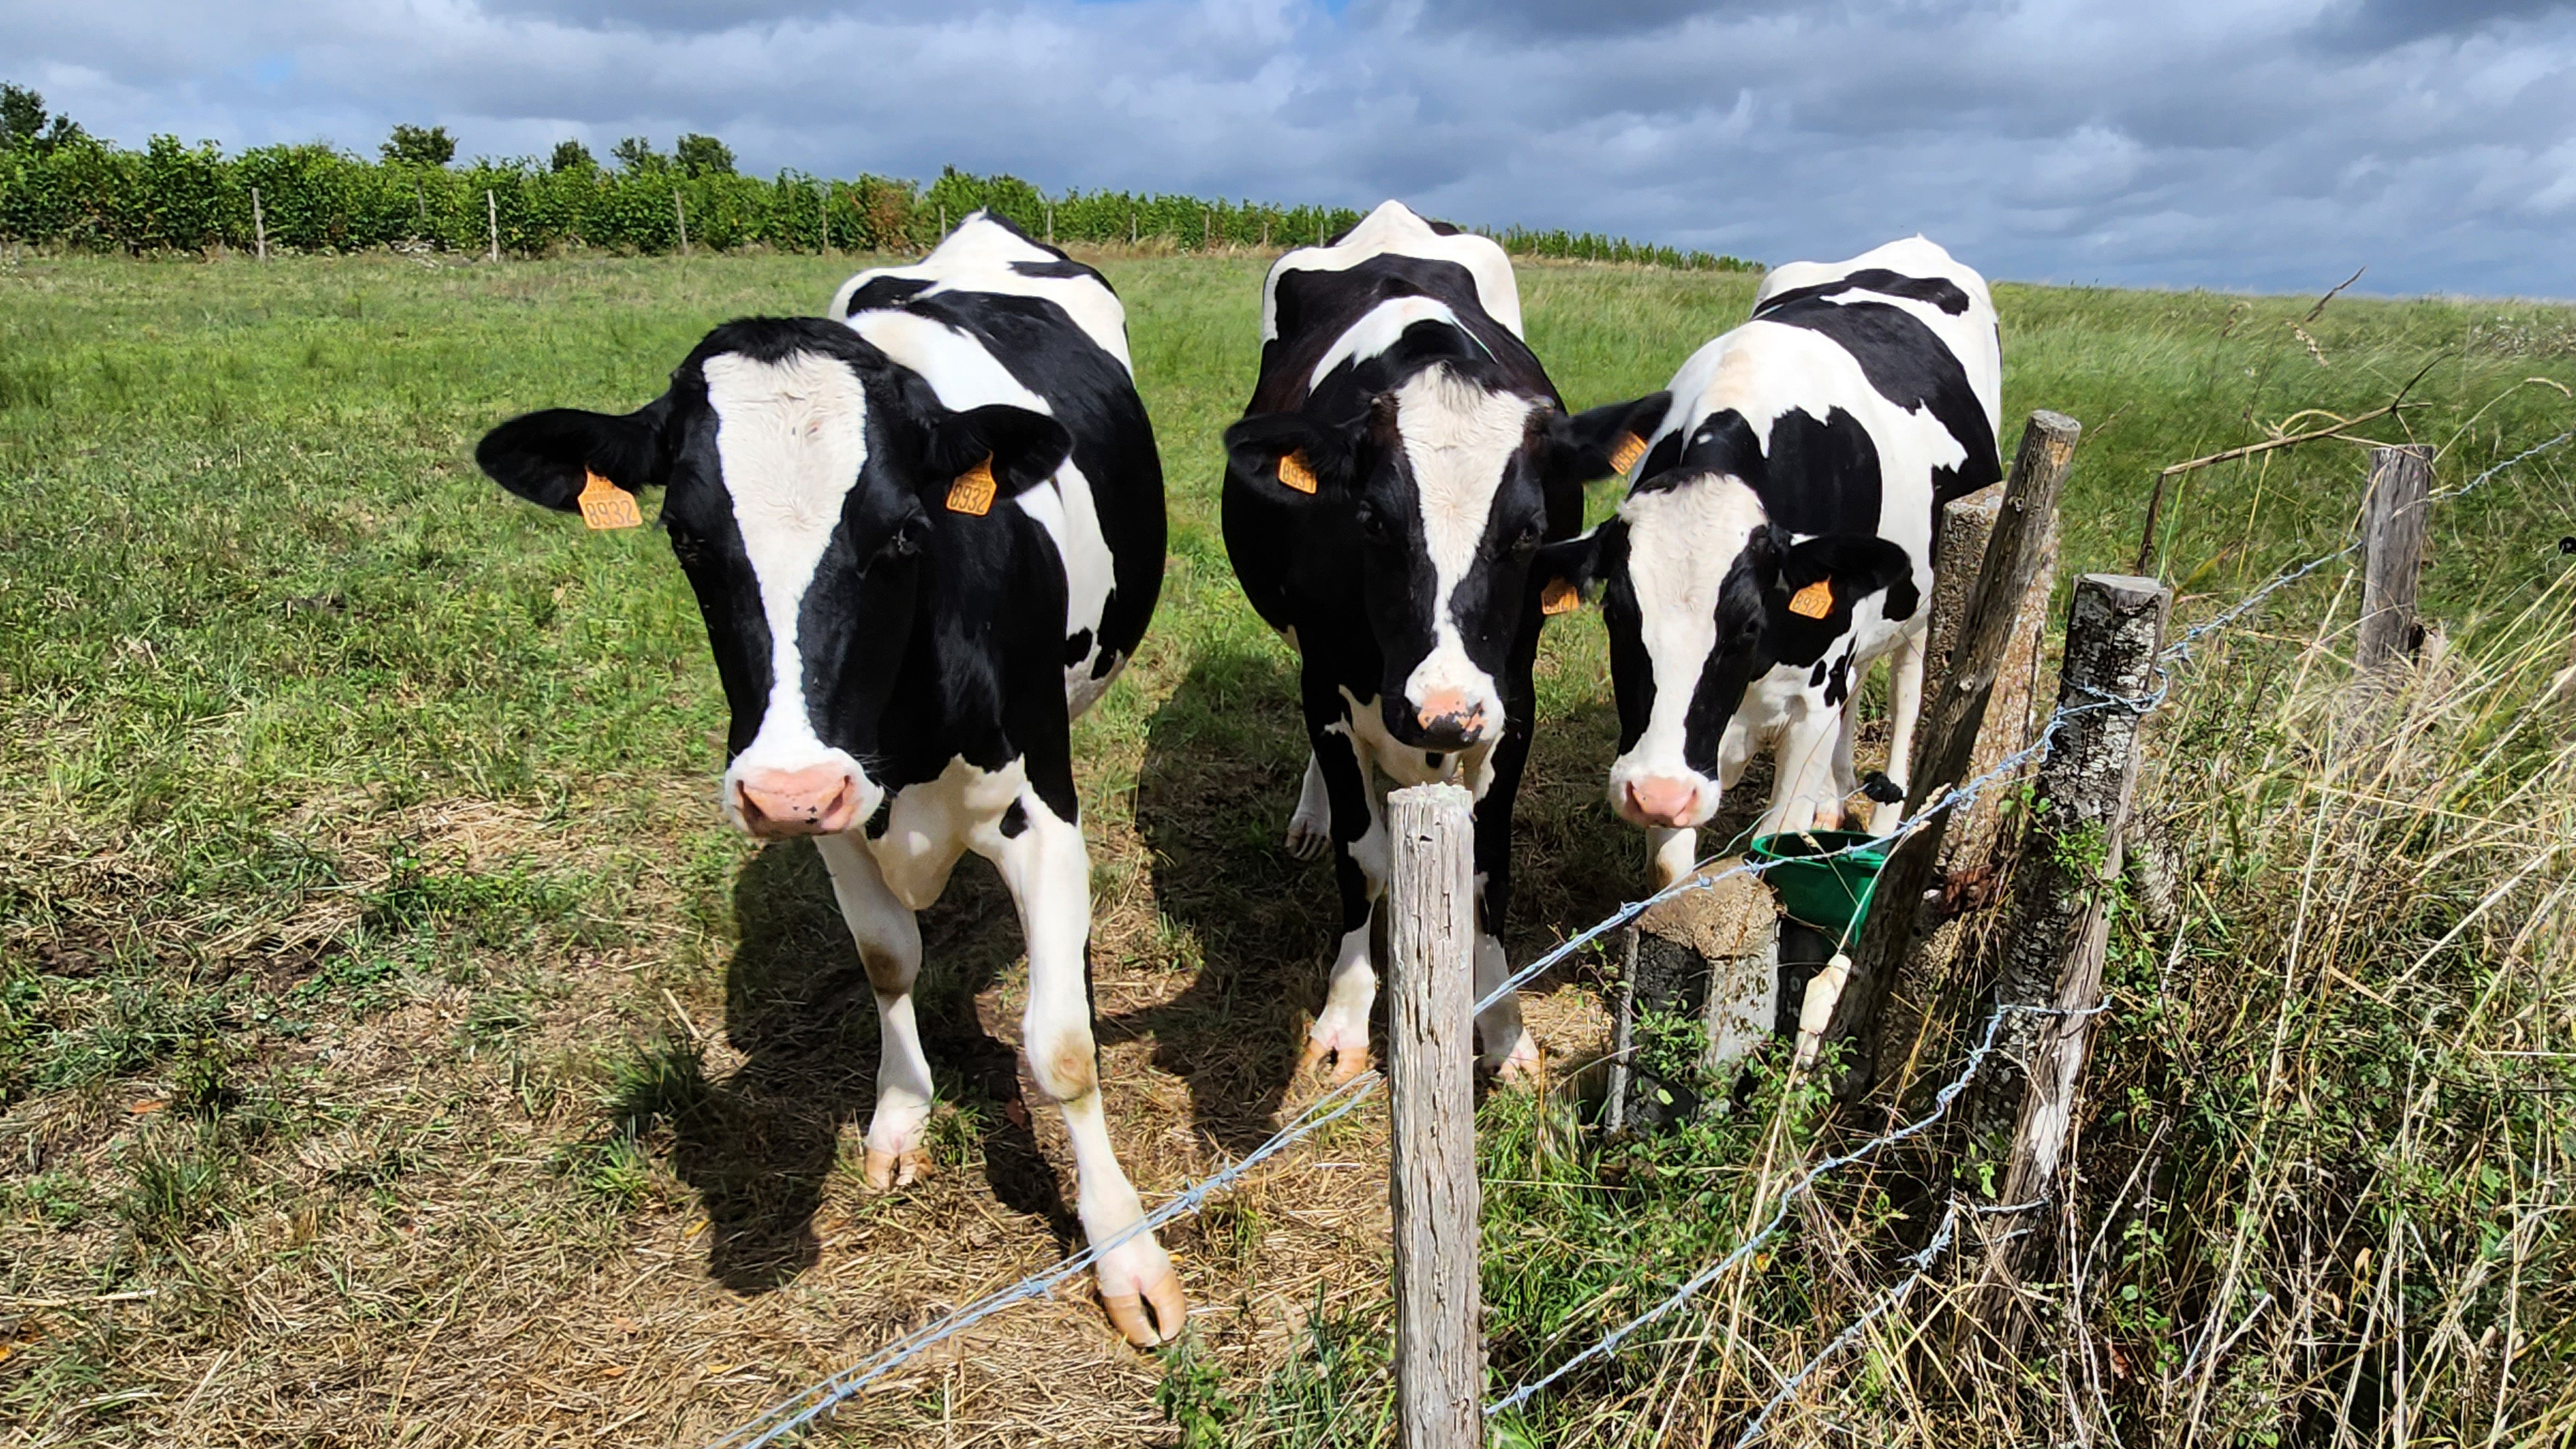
point(2322, 1190)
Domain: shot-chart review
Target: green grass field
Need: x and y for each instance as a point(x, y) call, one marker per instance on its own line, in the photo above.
point(394, 1048)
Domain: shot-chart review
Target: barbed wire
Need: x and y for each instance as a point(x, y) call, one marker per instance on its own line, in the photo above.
point(794, 1413)
point(1922, 1265)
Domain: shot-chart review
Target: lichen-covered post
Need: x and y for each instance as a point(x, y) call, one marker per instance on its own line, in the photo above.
point(1969, 845)
point(1430, 1028)
point(2051, 982)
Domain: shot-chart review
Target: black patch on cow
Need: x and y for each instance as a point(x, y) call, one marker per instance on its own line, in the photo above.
point(1881, 789)
point(885, 294)
point(1940, 292)
point(1902, 600)
point(1014, 820)
point(1107, 661)
point(1062, 269)
point(1909, 365)
point(877, 823)
point(1838, 684)
point(1077, 647)
point(1434, 759)
point(1816, 676)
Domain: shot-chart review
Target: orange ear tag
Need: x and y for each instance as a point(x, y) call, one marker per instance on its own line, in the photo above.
point(1814, 601)
point(972, 493)
point(1559, 597)
point(1631, 448)
point(1294, 473)
point(605, 505)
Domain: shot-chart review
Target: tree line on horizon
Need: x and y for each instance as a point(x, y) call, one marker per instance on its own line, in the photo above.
point(62, 186)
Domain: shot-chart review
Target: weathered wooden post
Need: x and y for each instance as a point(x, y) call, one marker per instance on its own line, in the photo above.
point(1431, 944)
point(2394, 519)
point(492, 219)
point(1975, 831)
point(680, 214)
point(2051, 981)
point(1050, 223)
point(1953, 712)
point(258, 224)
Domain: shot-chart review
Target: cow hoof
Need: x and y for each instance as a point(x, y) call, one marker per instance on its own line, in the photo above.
point(887, 1171)
point(1348, 1059)
point(1307, 839)
point(1141, 1292)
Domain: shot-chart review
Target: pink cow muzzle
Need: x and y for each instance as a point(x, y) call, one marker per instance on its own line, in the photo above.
point(817, 800)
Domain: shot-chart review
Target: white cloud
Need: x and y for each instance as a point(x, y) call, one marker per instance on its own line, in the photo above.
point(2272, 143)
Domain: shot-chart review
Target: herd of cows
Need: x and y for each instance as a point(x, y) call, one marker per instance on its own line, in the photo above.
point(926, 531)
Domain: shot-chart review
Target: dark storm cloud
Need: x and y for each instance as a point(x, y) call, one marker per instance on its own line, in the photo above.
point(2270, 143)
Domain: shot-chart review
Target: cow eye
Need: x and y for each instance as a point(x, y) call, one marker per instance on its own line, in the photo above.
point(1376, 524)
point(905, 541)
point(1527, 541)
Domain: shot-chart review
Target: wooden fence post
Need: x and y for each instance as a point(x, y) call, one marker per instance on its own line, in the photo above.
point(681, 213)
point(1954, 710)
point(1050, 223)
point(1975, 832)
point(258, 224)
point(823, 218)
point(1431, 944)
point(2395, 517)
point(2054, 943)
point(492, 219)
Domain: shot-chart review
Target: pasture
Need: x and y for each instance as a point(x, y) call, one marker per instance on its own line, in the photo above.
point(395, 1049)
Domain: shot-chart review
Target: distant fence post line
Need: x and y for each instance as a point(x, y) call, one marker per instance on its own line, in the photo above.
point(680, 214)
point(492, 218)
point(258, 224)
point(1954, 711)
point(1431, 946)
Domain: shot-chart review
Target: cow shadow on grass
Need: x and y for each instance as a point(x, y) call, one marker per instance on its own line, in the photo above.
point(1224, 757)
point(759, 1144)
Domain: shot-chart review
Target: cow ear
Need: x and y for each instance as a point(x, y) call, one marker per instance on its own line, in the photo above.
point(1604, 440)
point(1825, 576)
point(1285, 457)
point(985, 453)
point(548, 457)
point(1568, 572)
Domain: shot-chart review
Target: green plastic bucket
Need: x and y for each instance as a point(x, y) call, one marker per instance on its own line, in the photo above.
point(1831, 895)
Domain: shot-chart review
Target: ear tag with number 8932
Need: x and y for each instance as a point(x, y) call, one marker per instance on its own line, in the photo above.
point(605, 505)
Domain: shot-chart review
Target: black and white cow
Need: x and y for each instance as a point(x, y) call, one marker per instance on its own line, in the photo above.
point(1776, 539)
point(924, 532)
point(1402, 460)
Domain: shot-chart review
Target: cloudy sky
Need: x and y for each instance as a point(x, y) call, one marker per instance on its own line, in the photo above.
point(2271, 144)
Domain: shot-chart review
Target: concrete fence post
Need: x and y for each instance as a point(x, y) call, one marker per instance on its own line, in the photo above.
point(1431, 942)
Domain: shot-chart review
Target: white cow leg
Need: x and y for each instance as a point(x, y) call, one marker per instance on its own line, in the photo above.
point(889, 941)
point(1049, 873)
point(1310, 830)
point(1676, 851)
point(1510, 1051)
point(1803, 796)
point(1905, 712)
point(1340, 1035)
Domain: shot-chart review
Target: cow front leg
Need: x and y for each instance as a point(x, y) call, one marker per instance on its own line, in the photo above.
point(1048, 870)
point(1339, 1039)
point(889, 941)
point(1804, 797)
point(1904, 712)
point(1508, 1048)
point(1310, 830)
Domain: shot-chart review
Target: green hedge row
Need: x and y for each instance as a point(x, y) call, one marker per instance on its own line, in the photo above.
point(311, 198)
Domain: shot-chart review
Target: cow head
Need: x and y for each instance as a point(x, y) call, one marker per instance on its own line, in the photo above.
point(1448, 483)
point(1703, 595)
point(809, 486)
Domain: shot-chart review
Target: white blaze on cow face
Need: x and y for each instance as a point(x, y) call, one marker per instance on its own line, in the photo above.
point(1682, 543)
point(791, 437)
point(1459, 438)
